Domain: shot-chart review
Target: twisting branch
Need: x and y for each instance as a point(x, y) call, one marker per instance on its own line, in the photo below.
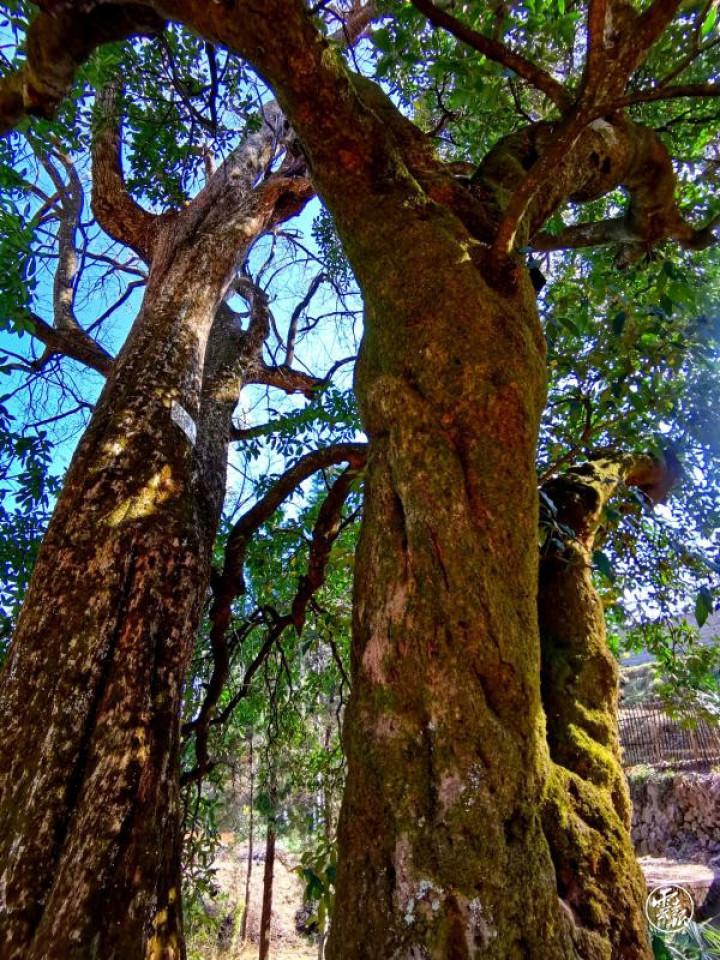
point(498, 52)
point(231, 585)
point(555, 155)
point(114, 209)
point(249, 361)
point(327, 528)
point(297, 313)
point(584, 491)
point(65, 335)
point(71, 198)
point(652, 214)
point(232, 582)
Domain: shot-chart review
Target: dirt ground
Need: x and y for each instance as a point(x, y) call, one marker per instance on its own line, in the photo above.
point(231, 869)
point(301, 953)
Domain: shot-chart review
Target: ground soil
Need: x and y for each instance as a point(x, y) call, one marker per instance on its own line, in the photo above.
point(287, 943)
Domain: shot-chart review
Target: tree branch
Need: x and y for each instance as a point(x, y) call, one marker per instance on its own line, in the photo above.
point(58, 42)
point(652, 23)
point(595, 482)
point(115, 210)
point(72, 342)
point(327, 527)
point(664, 93)
point(232, 583)
point(498, 52)
point(297, 313)
point(596, 233)
point(286, 378)
point(598, 12)
point(326, 530)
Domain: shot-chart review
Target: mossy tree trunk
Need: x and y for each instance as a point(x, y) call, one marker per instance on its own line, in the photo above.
point(587, 811)
point(443, 854)
point(91, 690)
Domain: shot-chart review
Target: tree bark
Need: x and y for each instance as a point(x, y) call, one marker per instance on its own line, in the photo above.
point(91, 690)
point(266, 914)
point(443, 855)
point(587, 811)
point(251, 838)
point(444, 730)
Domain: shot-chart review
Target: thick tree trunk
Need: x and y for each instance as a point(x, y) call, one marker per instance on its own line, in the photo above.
point(442, 851)
point(447, 760)
point(91, 690)
point(587, 812)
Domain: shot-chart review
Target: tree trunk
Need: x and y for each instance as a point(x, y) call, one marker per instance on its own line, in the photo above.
point(587, 812)
point(266, 915)
point(251, 838)
point(444, 730)
point(91, 690)
point(99, 656)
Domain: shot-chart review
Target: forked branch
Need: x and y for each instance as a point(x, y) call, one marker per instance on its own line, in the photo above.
point(115, 210)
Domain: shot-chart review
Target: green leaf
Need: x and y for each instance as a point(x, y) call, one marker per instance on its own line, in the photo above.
point(602, 564)
point(709, 21)
point(703, 605)
point(618, 322)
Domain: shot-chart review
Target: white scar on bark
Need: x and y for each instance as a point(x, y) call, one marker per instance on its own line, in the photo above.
point(180, 416)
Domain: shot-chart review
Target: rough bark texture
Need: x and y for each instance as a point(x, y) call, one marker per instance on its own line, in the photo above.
point(98, 661)
point(587, 810)
point(91, 691)
point(443, 855)
point(444, 722)
point(448, 763)
point(444, 732)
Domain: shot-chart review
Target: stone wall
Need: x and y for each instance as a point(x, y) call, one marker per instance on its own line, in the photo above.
point(677, 816)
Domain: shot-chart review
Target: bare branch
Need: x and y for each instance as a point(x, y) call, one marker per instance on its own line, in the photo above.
point(72, 342)
point(297, 313)
point(664, 93)
point(596, 233)
point(71, 197)
point(287, 379)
